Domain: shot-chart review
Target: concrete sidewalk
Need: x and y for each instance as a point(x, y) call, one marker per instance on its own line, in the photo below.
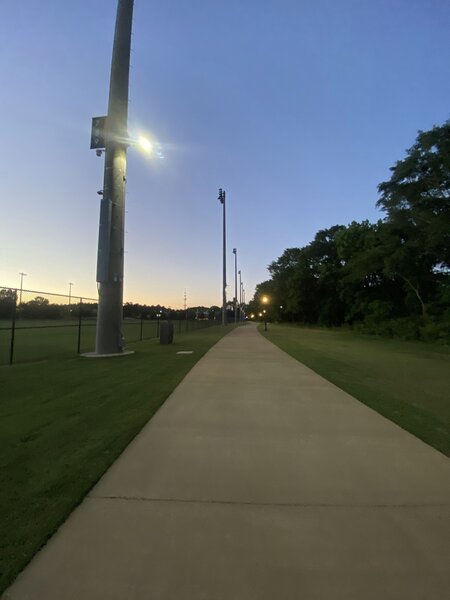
point(257, 480)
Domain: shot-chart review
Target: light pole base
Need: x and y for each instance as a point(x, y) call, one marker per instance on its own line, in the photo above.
point(95, 355)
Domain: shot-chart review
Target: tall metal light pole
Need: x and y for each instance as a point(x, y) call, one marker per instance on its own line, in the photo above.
point(109, 339)
point(22, 275)
point(70, 291)
point(235, 285)
point(224, 284)
point(240, 296)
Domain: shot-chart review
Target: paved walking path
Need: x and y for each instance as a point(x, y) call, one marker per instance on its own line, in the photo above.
point(257, 480)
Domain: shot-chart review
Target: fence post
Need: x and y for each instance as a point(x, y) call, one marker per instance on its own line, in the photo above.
point(79, 325)
point(142, 326)
point(13, 329)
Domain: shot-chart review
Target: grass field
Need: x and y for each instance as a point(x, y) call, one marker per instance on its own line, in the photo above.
point(407, 382)
point(64, 421)
point(37, 340)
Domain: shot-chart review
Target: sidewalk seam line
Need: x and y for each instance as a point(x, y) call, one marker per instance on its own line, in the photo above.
point(275, 504)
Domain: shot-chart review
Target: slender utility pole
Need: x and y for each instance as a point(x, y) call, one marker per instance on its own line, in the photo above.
point(109, 339)
point(240, 296)
point(22, 275)
point(224, 290)
point(70, 291)
point(235, 284)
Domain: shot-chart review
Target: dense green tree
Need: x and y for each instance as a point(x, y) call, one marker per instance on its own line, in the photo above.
point(394, 275)
point(303, 292)
point(40, 308)
point(362, 284)
point(305, 280)
point(326, 266)
point(416, 198)
point(7, 301)
point(418, 193)
point(280, 287)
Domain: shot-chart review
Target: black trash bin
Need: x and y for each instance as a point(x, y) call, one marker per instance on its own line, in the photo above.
point(166, 332)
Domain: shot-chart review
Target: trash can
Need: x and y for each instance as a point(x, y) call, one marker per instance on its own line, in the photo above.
point(166, 332)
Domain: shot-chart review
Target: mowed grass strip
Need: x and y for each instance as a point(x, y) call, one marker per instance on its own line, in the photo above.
point(37, 340)
point(62, 424)
point(407, 382)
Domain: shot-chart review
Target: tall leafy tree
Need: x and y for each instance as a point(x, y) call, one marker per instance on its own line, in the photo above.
point(282, 287)
point(327, 266)
point(377, 272)
point(417, 202)
point(419, 190)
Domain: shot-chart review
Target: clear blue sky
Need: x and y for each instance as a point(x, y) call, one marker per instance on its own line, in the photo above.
point(296, 108)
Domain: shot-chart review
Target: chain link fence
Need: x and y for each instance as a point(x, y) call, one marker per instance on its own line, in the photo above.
point(38, 325)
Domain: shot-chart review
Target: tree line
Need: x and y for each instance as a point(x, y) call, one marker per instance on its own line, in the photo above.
point(41, 308)
point(136, 311)
point(391, 277)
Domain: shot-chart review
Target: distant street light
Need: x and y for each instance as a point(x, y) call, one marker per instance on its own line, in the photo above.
point(70, 291)
point(265, 301)
point(224, 283)
point(235, 284)
point(22, 275)
point(240, 296)
point(158, 317)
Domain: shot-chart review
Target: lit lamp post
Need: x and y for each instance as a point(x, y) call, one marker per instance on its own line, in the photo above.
point(265, 301)
point(235, 284)
point(111, 133)
point(240, 296)
point(158, 317)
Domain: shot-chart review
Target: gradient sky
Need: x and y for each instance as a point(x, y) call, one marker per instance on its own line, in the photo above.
point(296, 108)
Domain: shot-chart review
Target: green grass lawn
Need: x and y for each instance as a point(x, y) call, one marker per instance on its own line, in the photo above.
point(407, 382)
point(58, 338)
point(64, 421)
